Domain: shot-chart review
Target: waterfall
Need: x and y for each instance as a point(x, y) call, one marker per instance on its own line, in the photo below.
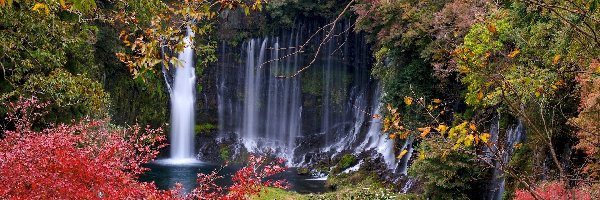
point(513, 136)
point(324, 111)
point(375, 139)
point(182, 106)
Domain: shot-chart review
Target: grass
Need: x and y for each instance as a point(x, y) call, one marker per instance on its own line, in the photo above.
point(348, 193)
point(277, 194)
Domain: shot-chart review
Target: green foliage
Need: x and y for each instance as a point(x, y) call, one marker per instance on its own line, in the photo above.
point(303, 171)
point(283, 13)
point(73, 96)
point(57, 66)
point(346, 161)
point(205, 128)
point(224, 152)
point(448, 174)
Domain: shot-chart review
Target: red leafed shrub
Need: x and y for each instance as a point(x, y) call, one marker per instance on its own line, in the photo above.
point(556, 191)
point(86, 160)
point(248, 181)
point(91, 159)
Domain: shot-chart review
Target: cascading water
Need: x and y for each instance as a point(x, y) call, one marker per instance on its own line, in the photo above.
point(321, 112)
point(376, 140)
point(513, 136)
point(182, 106)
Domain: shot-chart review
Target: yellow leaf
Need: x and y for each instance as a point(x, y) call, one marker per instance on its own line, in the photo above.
point(442, 128)
point(39, 6)
point(514, 53)
point(408, 100)
point(518, 146)
point(392, 136)
point(556, 59)
point(402, 153)
point(437, 101)
point(424, 131)
point(469, 140)
point(421, 155)
point(485, 137)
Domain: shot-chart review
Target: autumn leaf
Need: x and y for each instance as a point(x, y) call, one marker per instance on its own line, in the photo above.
point(469, 140)
point(472, 127)
point(514, 53)
point(376, 116)
point(556, 59)
point(437, 101)
point(424, 131)
point(421, 155)
point(392, 136)
point(39, 6)
point(480, 95)
point(492, 28)
point(442, 128)
point(408, 100)
point(518, 146)
point(402, 153)
point(485, 137)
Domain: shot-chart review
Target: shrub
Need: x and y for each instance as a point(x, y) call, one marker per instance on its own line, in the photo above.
point(85, 160)
point(555, 190)
point(346, 161)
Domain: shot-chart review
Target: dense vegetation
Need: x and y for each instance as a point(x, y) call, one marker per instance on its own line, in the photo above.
point(482, 63)
point(459, 77)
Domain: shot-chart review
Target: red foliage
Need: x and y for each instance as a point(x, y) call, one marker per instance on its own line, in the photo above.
point(91, 159)
point(588, 120)
point(247, 181)
point(86, 160)
point(555, 191)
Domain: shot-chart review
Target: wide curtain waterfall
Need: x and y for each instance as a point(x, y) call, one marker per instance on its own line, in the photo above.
point(322, 112)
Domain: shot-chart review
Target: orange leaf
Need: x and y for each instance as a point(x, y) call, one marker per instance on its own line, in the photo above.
point(424, 131)
point(472, 127)
point(556, 59)
point(514, 53)
point(492, 28)
point(480, 95)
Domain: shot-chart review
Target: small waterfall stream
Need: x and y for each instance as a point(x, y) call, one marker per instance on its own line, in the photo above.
point(513, 136)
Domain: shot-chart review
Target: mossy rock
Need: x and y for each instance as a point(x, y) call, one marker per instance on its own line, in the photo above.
point(206, 128)
point(224, 152)
point(346, 161)
point(303, 171)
